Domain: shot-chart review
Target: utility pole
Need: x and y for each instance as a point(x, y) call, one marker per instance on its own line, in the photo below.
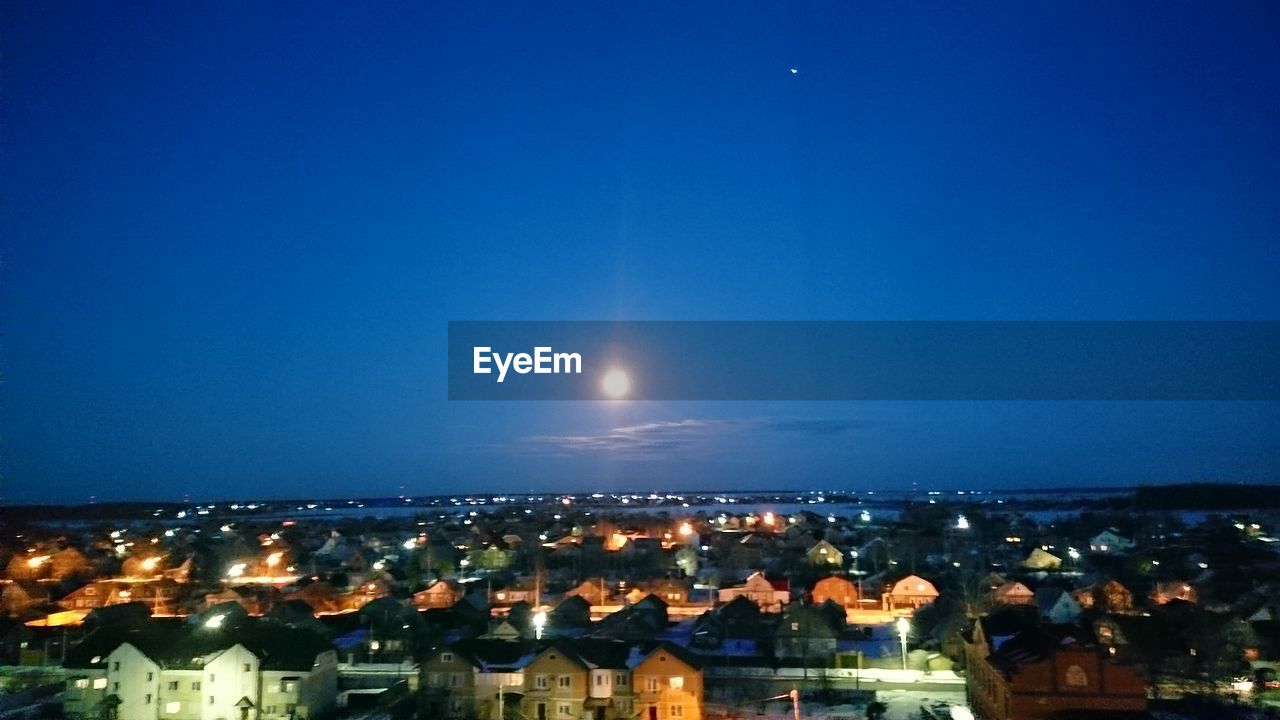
point(795, 702)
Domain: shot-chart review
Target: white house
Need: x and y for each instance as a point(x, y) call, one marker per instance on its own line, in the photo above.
point(171, 670)
point(1110, 541)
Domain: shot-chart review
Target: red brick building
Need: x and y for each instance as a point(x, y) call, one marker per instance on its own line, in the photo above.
point(1019, 669)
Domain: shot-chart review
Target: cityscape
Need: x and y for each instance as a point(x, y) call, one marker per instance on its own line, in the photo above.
point(832, 604)
point(707, 360)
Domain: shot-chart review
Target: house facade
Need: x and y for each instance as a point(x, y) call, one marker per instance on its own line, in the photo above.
point(173, 676)
point(909, 593)
point(1021, 671)
point(768, 595)
point(839, 590)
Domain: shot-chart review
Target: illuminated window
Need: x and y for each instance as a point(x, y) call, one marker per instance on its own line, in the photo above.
point(99, 683)
point(677, 682)
point(1076, 677)
point(82, 683)
point(172, 707)
point(289, 686)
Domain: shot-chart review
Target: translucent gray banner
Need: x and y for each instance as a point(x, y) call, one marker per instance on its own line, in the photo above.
point(672, 360)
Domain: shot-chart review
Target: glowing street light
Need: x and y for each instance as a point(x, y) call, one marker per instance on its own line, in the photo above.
point(274, 559)
point(236, 570)
point(539, 622)
point(962, 523)
point(904, 627)
point(686, 529)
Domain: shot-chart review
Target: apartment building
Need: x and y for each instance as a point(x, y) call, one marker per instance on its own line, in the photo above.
point(182, 670)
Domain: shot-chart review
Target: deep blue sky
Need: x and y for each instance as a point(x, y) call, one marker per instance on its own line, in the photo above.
point(234, 232)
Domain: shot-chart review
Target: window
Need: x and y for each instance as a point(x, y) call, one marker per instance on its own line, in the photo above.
point(677, 711)
point(246, 667)
point(91, 590)
point(172, 707)
point(115, 666)
point(652, 684)
point(455, 680)
point(541, 682)
point(150, 676)
point(210, 699)
point(99, 683)
point(147, 700)
point(677, 682)
point(446, 657)
point(564, 710)
point(115, 687)
point(289, 685)
point(599, 680)
point(82, 683)
point(195, 685)
point(565, 681)
point(620, 679)
point(795, 626)
point(173, 684)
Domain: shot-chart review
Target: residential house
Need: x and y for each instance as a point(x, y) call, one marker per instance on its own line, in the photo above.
point(909, 593)
point(837, 589)
point(668, 684)
point(1110, 541)
point(183, 671)
point(440, 594)
point(824, 554)
point(769, 595)
point(1042, 559)
point(673, 592)
point(594, 591)
point(1013, 592)
point(1057, 605)
point(474, 678)
point(1020, 669)
point(1111, 597)
point(808, 632)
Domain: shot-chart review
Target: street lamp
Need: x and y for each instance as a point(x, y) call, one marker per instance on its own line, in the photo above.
point(903, 628)
point(539, 622)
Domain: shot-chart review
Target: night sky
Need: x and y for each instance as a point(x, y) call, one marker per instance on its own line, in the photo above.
point(233, 233)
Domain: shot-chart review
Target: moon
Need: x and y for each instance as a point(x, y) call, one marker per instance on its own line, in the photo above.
point(795, 71)
point(615, 384)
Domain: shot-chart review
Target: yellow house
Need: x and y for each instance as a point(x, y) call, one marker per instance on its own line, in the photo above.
point(668, 685)
point(555, 685)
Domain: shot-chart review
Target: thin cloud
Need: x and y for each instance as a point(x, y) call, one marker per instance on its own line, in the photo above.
point(673, 436)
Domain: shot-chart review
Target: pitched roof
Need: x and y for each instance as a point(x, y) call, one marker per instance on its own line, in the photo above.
point(177, 644)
